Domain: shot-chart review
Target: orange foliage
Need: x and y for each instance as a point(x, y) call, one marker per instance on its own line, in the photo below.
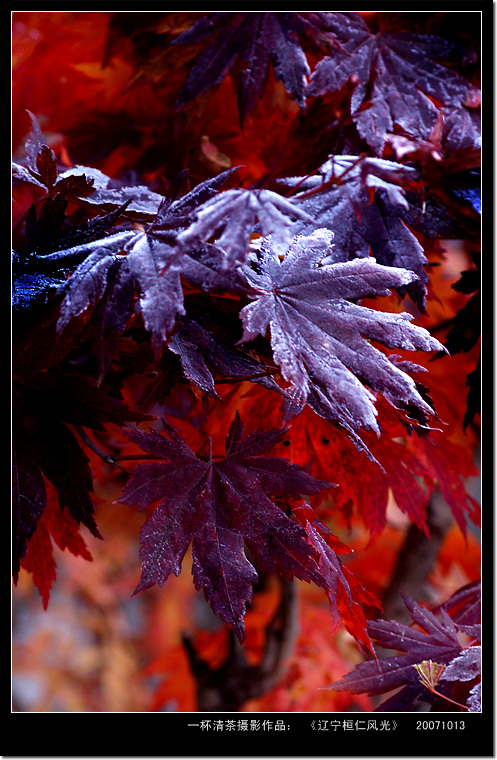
point(319, 659)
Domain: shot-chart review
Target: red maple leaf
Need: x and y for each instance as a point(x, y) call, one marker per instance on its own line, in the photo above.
point(55, 526)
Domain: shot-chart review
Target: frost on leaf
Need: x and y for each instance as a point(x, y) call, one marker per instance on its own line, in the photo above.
point(363, 201)
point(121, 262)
point(220, 505)
point(474, 700)
point(321, 337)
point(236, 212)
point(109, 194)
point(397, 77)
point(149, 261)
point(466, 666)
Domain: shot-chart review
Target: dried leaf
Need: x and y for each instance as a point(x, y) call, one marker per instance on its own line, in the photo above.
point(429, 672)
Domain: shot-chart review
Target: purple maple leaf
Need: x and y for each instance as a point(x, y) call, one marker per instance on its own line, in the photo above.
point(320, 336)
point(149, 261)
point(236, 212)
point(464, 606)
point(257, 40)
point(218, 506)
point(133, 259)
point(201, 353)
point(91, 186)
point(363, 201)
point(434, 638)
point(397, 76)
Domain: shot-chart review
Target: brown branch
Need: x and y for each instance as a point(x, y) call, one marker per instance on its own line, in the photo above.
point(416, 559)
point(228, 687)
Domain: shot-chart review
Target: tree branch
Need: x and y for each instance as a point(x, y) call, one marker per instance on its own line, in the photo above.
point(416, 560)
point(227, 688)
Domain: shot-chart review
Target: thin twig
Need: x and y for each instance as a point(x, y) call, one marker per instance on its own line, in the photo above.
point(107, 458)
point(228, 687)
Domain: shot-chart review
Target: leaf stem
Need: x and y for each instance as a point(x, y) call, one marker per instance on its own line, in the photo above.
point(232, 380)
point(437, 693)
point(127, 457)
point(108, 458)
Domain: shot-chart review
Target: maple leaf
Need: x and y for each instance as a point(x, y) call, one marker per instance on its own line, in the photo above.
point(397, 76)
point(363, 201)
point(109, 194)
point(28, 504)
point(85, 184)
point(236, 212)
point(52, 247)
point(48, 397)
point(464, 606)
point(465, 666)
point(367, 483)
point(408, 467)
point(173, 245)
point(118, 264)
point(446, 465)
point(149, 260)
point(321, 339)
point(37, 269)
point(345, 594)
point(474, 700)
point(429, 673)
point(200, 352)
point(82, 183)
point(220, 506)
point(461, 129)
point(258, 39)
point(39, 165)
point(51, 447)
point(54, 527)
point(411, 468)
point(434, 639)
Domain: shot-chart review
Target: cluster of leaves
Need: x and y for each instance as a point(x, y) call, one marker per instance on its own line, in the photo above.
point(194, 287)
point(437, 667)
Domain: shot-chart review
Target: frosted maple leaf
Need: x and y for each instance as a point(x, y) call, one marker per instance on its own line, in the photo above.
point(322, 338)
